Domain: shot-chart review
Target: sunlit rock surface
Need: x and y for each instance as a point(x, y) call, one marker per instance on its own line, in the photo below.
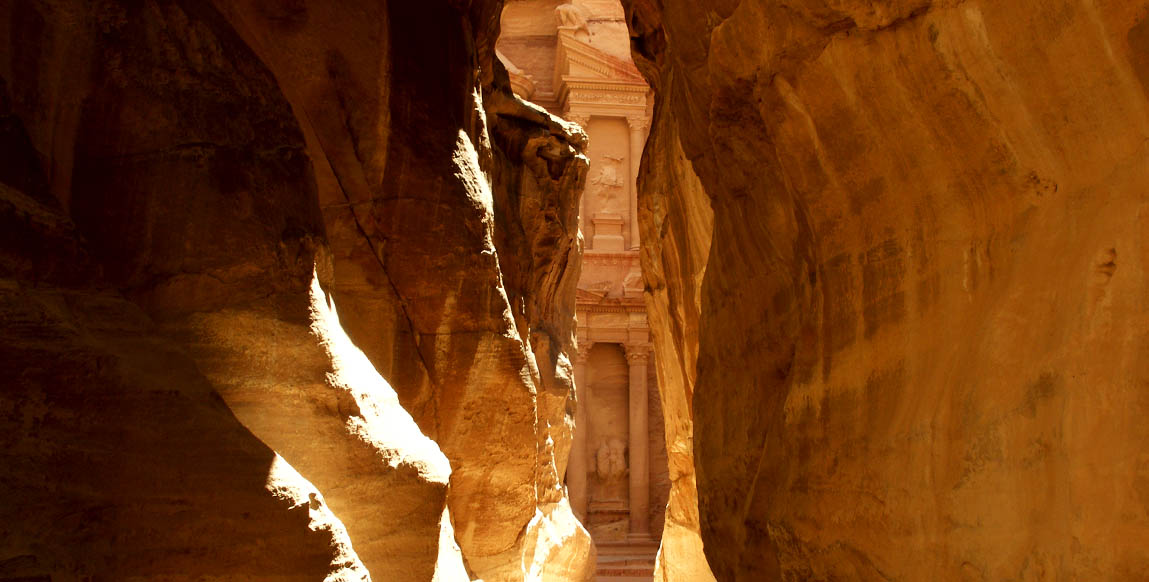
point(323, 212)
point(923, 314)
point(452, 211)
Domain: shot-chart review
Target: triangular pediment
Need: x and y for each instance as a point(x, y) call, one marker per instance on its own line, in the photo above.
point(588, 296)
point(579, 59)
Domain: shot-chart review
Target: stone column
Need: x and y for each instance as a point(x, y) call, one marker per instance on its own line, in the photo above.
point(637, 356)
point(583, 219)
point(638, 128)
point(577, 468)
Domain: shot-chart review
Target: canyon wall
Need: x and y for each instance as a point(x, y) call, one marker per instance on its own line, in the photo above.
point(676, 225)
point(288, 294)
point(921, 323)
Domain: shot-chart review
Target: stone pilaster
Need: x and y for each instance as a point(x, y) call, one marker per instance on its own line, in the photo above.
point(638, 356)
point(638, 130)
point(577, 467)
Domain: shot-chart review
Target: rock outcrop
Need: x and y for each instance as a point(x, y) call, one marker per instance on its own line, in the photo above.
point(924, 301)
point(453, 223)
point(234, 171)
point(120, 460)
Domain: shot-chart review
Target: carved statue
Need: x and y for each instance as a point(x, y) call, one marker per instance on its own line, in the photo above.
point(610, 460)
point(571, 16)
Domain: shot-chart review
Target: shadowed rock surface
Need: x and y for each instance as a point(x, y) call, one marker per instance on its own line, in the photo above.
point(920, 327)
point(233, 172)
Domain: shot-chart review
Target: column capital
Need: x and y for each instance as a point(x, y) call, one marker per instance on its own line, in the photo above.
point(638, 123)
point(579, 118)
point(637, 353)
point(582, 352)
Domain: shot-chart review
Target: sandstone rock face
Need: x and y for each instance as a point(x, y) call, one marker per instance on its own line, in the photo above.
point(677, 222)
point(234, 172)
point(453, 218)
point(120, 461)
point(924, 300)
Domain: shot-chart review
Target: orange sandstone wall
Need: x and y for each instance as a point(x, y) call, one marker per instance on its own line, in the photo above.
point(920, 329)
point(676, 222)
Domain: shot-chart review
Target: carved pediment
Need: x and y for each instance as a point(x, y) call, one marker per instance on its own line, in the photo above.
point(581, 60)
point(588, 296)
point(522, 83)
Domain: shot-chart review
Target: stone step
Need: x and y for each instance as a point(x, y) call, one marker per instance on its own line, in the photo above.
point(614, 548)
point(626, 561)
point(635, 563)
point(617, 574)
point(625, 565)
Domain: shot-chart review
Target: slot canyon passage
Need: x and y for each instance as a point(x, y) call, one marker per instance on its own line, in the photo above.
point(390, 290)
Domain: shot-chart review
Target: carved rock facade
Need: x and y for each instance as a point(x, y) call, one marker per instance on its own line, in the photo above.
point(577, 64)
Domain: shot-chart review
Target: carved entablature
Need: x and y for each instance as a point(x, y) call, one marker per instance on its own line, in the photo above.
point(605, 98)
point(620, 320)
point(606, 258)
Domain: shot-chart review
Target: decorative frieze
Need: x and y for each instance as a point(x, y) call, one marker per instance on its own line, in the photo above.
point(607, 97)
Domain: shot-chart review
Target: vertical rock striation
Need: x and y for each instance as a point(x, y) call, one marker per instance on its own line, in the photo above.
point(676, 222)
point(452, 209)
point(923, 305)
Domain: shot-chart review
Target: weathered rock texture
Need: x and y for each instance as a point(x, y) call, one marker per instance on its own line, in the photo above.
point(452, 211)
point(923, 312)
point(233, 171)
point(677, 222)
point(120, 461)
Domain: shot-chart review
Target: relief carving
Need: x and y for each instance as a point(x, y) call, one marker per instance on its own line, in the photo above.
point(608, 173)
point(607, 187)
point(610, 460)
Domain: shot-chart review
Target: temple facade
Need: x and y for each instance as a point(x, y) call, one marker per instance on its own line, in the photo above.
point(573, 58)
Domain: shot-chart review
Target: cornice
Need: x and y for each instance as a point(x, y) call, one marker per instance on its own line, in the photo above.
point(604, 85)
point(619, 105)
point(610, 257)
point(617, 305)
